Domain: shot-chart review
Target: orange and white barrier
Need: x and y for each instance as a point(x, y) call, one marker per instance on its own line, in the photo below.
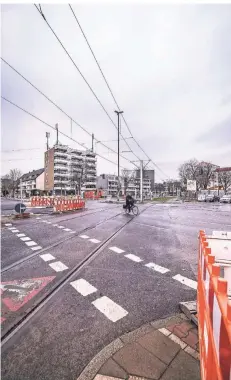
point(42, 201)
point(214, 307)
point(61, 205)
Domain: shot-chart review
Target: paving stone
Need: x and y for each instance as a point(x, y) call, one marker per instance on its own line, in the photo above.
point(111, 368)
point(192, 352)
point(163, 322)
point(180, 329)
point(183, 367)
point(136, 334)
point(160, 346)
point(102, 377)
point(139, 362)
point(191, 339)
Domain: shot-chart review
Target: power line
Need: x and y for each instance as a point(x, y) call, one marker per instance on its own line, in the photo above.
point(79, 71)
point(50, 126)
point(60, 109)
point(110, 90)
point(18, 150)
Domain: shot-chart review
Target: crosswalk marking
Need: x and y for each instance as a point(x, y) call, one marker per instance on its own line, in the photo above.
point(110, 309)
point(116, 249)
point(14, 231)
point(36, 248)
point(25, 238)
point(67, 229)
point(186, 281)
point(132, 257)
point(94, 241)
point(20, 235)
point(84, 236)
point(47, 257)
point(58, 266)
point(61, 227)
point(157, 268)
point(8, 224)
point(30, 243)
point(83, 287)
point(11, 228)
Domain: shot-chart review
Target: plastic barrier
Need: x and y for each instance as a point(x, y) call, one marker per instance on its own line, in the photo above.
point(62, 205)
point(214, 309)
point(42, 201)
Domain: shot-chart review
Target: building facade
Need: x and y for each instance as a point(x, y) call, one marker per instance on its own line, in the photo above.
point(32, 183)
point(69, 170)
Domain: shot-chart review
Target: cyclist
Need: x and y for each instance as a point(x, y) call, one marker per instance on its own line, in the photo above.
point(129, 202)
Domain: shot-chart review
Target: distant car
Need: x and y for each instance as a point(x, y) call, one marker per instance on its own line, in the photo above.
point(212, 198)
point(226, 199)
point(201, 198)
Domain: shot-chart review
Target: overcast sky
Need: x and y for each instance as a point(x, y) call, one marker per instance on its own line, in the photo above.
point(169, 67)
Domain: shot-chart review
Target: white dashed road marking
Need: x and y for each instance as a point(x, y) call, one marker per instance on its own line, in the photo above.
point(58, 266)
point(8, 224)
point(83, 287)
point(47, 257)
point(67, 229)
point(14, 231)
point(61, 227)
point(109, 308)
point(38, 218)
point(116, 249)
point(11, 228)
point(186, 281)
point(135, 258)
point(94, 241)
point(157, 268)
point(84, 236)
point(30, 243)
point(36, 248)
point(20, 235)
point(55, 225)
point(25, 238)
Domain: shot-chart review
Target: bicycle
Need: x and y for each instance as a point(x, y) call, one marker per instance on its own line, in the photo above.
point(134, 209)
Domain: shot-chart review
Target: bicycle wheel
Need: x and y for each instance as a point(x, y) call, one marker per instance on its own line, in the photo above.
point(135, 210)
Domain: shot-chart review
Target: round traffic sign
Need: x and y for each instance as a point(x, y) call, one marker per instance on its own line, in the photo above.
point(20, 208)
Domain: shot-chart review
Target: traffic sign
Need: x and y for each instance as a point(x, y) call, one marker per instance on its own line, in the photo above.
point(17, 293)
point(20, 208)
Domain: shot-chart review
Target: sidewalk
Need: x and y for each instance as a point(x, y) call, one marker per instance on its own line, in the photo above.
point(162, 350)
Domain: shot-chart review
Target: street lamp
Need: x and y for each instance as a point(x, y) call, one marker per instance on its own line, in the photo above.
point(118, 127)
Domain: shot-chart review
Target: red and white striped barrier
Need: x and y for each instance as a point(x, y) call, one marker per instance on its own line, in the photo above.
point(214, 308)
point(62, 205)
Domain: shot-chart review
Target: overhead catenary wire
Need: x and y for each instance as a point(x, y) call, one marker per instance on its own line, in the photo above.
point(79, 71)
point(51, 126)
point(111, 92)
point(60, 109)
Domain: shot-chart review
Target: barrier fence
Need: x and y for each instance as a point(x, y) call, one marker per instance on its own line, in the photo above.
point(214, 306)
point(59, 204)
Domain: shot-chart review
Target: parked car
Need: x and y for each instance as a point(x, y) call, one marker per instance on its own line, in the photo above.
point(225, 199)
point(201, 198)
point(212, 198)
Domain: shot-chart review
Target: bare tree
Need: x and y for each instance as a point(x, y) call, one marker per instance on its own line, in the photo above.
point(14, 176)
point(224, 179)
point(188, 170)
point(204, 175)
point(127, 176)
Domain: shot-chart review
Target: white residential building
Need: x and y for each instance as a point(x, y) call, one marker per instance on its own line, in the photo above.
point(30, 182)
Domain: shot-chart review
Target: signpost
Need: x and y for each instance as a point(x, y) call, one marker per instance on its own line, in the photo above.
point(20, 208)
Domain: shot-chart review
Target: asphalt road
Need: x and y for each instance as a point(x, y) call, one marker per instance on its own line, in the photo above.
point(135, 277)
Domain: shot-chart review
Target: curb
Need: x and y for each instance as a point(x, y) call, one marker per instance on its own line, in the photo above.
point(93, 367)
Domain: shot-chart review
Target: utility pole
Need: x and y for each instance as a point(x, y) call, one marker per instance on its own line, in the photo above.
point(118, 115)
point(141, 181)
point(92, 142)
point(57, 133)
point(47, 137)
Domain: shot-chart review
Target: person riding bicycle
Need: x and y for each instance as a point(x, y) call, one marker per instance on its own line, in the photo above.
point(129, 202)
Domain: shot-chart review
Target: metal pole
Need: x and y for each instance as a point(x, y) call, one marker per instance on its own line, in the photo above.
point(92, 143)
point(57, 133)
point(118, 138)
point(141, 181)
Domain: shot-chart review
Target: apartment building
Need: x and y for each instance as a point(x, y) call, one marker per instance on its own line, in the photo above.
point(108, 183)
point(69, 170)
point(30, 182)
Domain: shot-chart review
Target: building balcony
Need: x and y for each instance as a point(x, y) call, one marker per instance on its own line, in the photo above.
point(60, 148)
point(60, 161)
point(60, 174)
point(90, 159)
point(60, 155)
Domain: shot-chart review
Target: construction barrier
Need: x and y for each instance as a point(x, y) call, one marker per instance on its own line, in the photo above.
point(42, 201)
point(62, 205)
point(214, 306)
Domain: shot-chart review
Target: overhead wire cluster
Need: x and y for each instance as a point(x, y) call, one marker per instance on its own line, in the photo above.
point(39, 9)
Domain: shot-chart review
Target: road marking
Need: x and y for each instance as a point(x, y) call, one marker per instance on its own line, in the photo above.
point(157, 268)
point(116, 249)
point(48, 222)
point(109, 308)
point(38, 218)
point(72, 232)
point(55, 225)
point(44, 221)
point(83, 287)
point(94, 241)
point(30, 243)
point(186, 281)
point(14, 231)
point(67, 229)
point(8, 224)
point(47, 257)
point(58, 266)
point(20, 235)
point(11, 228)
point(84, 236)
point(132, 257)
point(61, 227)
point(25, 238)
point(36, 248)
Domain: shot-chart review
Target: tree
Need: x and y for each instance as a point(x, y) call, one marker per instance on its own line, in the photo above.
point(188, 170)
point(127, 176)
point(224, 179)
point(204, 175)
point(77, 180)
point(14, 176)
